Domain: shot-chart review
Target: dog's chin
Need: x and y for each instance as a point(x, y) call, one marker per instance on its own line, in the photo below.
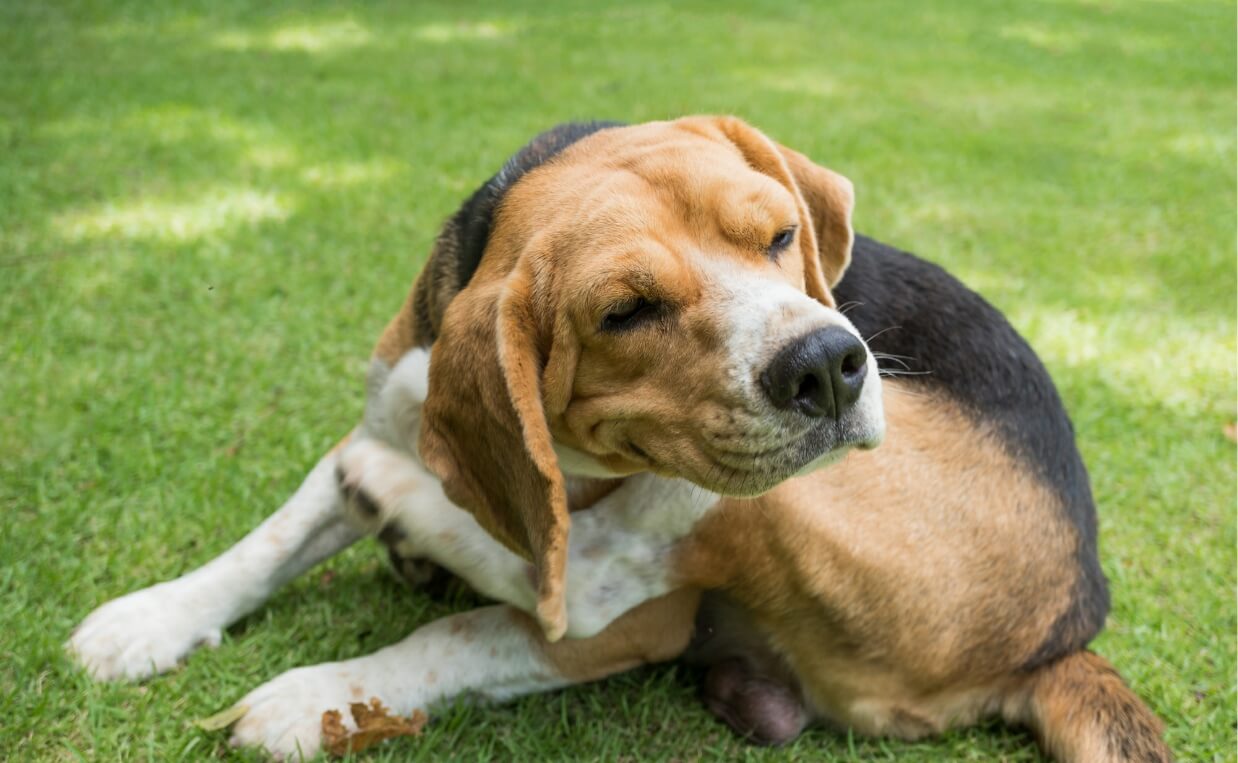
point(821, 447)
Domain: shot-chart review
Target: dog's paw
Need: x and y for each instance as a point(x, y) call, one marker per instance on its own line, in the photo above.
point(141, 634)
point(284, 715)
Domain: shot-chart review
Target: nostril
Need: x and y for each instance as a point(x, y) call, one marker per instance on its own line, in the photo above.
point(809, 388)
point(853, 364)
point(849, 372)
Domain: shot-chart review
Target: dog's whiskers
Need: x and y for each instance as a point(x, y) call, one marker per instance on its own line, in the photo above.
point(895, 372)
point(871, 337)
point(892, 358)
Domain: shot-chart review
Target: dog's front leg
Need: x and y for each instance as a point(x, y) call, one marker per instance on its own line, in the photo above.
point(619, 550)
point(496, 653)
point(150, 630)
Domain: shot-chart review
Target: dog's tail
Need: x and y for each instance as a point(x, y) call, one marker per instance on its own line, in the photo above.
point(1083, 712)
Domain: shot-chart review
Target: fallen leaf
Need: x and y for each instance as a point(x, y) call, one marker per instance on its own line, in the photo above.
point(374, 724)
point(334, 734)
point(1231, 431)
point(223, 719)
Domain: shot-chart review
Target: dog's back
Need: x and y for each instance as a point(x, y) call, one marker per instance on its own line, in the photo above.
point(941, 338)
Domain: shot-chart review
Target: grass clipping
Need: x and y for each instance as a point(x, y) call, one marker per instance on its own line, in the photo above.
point(375, 724)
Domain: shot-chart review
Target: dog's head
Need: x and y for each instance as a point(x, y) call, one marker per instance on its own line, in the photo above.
point(646, 298)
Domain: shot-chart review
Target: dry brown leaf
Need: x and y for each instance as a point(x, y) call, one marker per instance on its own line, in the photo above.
point(1231, 431)
point(334, 735)
point(375, 724)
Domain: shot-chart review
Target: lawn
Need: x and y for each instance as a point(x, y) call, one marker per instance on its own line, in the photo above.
point(208, 210)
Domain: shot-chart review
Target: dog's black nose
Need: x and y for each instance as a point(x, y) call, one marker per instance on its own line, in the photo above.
point(819, 374)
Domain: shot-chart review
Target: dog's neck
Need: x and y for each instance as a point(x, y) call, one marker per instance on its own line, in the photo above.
point(583, 492)
point(587, 480)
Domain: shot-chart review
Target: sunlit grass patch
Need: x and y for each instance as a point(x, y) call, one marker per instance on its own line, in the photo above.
point(460, 30)
point(345, 174)
point(216, 210)
point(305, 37)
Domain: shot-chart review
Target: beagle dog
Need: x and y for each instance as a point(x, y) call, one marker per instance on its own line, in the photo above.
point(634, 398)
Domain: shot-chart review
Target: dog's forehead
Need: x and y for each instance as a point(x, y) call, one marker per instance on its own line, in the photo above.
point(649, 147)
point(655, 162)
point(622, 185)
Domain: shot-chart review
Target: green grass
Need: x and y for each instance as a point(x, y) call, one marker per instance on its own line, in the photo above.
point(208, 211)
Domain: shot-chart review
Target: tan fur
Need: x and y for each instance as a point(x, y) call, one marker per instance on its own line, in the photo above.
point(512, 342)
point(1084, 713)
point(904, 587)
point(883, 602)
point(824, 198)
point(655, 631)
point(831, 197)
point(666, 201)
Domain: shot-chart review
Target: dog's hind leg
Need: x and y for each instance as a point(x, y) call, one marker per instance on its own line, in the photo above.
point(495, 653)
point(747, 685)
point(149, 631)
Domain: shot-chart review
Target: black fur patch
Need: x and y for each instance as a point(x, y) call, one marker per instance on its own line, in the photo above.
point(959, 345)
point(476, 216)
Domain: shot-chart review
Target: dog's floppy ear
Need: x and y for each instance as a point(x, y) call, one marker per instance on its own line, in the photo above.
point(484, 430)
point(831, 199)
point(828, 199)
point(495, 359)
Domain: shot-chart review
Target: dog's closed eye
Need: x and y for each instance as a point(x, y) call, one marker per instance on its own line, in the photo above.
point(782, 239)
point(630, 314)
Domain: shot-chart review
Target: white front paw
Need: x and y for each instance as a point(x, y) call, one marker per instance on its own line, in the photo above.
point(141, 634)
point(284, 715)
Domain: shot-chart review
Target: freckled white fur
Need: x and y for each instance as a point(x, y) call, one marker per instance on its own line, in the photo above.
point(617, 549)
point(411, 499)
point(617, 559)
point(483, 652)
